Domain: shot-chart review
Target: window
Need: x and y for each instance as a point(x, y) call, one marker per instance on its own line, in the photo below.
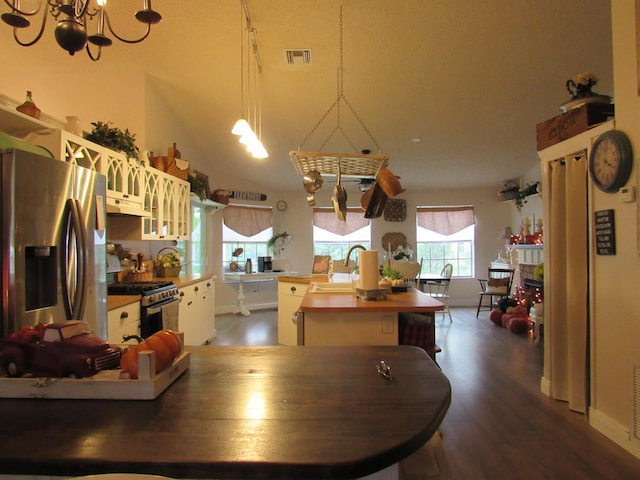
point(446, 235)
point(193, 251)
point(334, 238)
point(246, 228)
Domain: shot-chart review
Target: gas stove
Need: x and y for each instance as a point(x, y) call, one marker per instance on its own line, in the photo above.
point(151, 292)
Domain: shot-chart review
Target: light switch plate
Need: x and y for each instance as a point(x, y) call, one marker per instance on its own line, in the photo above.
point(627, 194)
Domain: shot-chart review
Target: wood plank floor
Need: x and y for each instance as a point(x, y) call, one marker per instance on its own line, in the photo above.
point(499, 425)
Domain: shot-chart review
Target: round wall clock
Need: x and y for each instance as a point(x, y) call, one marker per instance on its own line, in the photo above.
point(610, 161)
point(281, 205)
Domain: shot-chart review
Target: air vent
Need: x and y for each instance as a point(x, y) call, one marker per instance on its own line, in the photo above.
point(300, 56)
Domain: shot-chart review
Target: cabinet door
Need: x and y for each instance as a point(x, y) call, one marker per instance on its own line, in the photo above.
point(123, 321)
point(152, 202)
point(290, 296)
point(197, 315)
point(124, 178)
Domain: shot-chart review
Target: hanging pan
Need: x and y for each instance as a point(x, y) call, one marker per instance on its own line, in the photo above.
point(312, 181)
point(339, 198)
point(377, 203)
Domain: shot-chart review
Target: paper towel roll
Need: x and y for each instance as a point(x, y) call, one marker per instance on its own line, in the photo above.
point(368, 260)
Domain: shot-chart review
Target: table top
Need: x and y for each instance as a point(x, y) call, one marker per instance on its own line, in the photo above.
point(242, 412)
point(411, 301)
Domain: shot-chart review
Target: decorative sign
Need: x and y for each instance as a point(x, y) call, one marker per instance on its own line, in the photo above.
point(605, 232)
point(395, 210)
point(256, 197)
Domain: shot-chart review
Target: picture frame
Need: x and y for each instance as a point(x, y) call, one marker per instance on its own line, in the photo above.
point(321, 264)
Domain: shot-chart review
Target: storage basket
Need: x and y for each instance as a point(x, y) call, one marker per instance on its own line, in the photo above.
point(139, 277)
point(171, 271)
point(177, 167)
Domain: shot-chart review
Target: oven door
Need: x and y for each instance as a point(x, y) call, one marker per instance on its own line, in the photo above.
point(161, 315)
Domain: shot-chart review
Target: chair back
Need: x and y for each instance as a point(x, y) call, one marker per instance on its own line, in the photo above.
point(439, 289)
point(409, 271)
point(499, 281)
point(338, 266)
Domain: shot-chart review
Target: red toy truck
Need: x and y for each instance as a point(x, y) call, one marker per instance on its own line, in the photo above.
point(63, 349)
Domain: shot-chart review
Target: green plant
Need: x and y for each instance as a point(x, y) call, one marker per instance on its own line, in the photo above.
point(198, 186)
point(521, 199)
point(275, 245)
point(114, 138)
point(389, 272)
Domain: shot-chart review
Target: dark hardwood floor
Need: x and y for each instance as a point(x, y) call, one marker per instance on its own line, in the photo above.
point(499, 425)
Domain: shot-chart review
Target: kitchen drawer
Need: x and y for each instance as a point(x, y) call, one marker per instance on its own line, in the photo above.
point(291, 288)
point(123, 321)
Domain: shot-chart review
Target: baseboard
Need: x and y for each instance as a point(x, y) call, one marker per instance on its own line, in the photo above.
point(614, 431)
point(545, 386)
point(224, 309)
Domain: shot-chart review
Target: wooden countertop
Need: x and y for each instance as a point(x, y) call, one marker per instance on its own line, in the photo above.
point(242, 412)
point(411, 301)
point(291, 278)
point(117, 301)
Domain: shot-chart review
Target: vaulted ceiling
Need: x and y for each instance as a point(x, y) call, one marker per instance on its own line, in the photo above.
point(451, 90)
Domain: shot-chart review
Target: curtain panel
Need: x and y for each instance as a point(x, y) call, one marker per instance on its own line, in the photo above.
point(445, 220)
point(325, 218)
point(247, 221)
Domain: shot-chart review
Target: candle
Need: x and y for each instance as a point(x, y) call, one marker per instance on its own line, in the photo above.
point(368, 260)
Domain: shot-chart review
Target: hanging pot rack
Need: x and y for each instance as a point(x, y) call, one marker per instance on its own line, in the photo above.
point(350, 164)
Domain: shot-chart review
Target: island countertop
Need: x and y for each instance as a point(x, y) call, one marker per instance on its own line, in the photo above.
point(411, 301)
point(241, 412)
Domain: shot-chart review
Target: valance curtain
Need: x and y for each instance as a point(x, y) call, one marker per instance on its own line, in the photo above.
point(567, 303)
point(325, 218)
point(445, 220)
point(247, 221)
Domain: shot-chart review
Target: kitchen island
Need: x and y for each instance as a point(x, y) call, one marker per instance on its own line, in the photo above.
point(242, 413)
point(344, 319)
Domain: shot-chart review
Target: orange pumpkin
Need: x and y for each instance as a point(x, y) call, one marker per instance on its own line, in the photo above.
point(166, 345)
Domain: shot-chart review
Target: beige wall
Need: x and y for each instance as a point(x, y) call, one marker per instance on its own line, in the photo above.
point(616, 315)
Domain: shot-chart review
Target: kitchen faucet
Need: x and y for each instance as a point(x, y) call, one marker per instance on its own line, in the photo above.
point(346, 260)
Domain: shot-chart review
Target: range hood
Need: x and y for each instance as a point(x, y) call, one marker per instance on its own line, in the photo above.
point(118, 207)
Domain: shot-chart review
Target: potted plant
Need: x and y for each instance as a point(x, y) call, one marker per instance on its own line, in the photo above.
point(199, 186)
point(114, 138)
point(521, 198)
point(277, 243)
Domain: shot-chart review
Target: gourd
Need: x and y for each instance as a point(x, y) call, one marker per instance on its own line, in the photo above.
point(166, 345)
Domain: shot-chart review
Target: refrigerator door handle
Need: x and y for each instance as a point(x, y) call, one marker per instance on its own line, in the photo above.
point(74, 263)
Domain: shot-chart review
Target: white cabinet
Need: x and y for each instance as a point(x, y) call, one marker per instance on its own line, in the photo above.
point(197, 312)
point(124, 175)
point(290, 296)
point(123, 321)
point(167, 198)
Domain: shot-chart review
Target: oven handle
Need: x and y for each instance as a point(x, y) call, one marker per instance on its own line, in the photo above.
point(158, 307)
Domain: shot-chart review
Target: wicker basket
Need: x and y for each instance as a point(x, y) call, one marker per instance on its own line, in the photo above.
point(172, 167)
point(139, 277)
point(163, 271)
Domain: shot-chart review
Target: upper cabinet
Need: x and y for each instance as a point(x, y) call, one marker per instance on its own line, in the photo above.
point(152, 205)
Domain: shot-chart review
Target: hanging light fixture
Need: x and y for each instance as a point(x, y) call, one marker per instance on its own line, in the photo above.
point(71, 30)
point(249, 84)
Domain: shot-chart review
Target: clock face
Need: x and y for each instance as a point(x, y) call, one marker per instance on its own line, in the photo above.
point(610, 161)
point(281, 205)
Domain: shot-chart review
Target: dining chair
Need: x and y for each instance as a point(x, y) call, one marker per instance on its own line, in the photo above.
point(497, 285)
point(338, 266)
point(439, 288)
point(409, 271)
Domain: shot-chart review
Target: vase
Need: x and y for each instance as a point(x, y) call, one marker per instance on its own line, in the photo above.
point(581, 94)
point(28, 107)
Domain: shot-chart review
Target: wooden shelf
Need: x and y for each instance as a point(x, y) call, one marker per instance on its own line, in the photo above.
point(207, 203)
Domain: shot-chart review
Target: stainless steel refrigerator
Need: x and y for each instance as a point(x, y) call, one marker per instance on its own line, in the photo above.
point(53, 242)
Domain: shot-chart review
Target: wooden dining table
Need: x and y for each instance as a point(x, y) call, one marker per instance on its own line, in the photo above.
point(242, 413)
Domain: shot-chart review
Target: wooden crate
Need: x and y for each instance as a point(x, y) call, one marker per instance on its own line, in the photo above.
point(572, 123)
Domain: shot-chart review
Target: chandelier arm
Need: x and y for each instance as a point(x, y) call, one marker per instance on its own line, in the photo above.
point(35, 40)
point(80, 7)
point(106, 16)
point(23, 12)
point(97, 57)
point(364, 127)
point(319, 122)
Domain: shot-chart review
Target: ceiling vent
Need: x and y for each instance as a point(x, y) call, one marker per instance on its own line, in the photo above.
point(300, 56)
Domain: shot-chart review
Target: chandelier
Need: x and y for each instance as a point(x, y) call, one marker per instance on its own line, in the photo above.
point(71, 30)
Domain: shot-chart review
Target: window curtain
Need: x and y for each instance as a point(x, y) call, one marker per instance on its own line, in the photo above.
point(566, 275)
point(326, 219)
point(247, 221)
point(445, 220)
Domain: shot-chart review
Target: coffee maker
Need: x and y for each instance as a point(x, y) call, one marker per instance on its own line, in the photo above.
point(264, 264)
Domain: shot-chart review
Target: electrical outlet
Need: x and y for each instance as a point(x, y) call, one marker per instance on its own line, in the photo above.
point(389, 323)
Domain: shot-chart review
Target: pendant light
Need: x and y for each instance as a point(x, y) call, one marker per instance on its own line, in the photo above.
point(249, 84)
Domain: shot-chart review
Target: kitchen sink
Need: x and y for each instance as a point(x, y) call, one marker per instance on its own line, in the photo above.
point(333, 287)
